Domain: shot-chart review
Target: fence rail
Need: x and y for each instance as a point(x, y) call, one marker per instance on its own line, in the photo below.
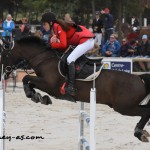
point(122, 59)
point(133, 59)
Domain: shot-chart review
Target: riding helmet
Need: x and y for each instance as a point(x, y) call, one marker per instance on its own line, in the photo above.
point(48, 17)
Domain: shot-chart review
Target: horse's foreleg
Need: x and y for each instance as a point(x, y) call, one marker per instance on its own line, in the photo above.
point(31, 82)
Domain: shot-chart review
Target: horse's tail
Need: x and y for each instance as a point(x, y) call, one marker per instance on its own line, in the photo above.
point(146, 78)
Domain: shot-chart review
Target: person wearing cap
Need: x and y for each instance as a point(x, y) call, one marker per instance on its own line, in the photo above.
point(97, 28)
point(65, 34)
point(144, 51)
point(8, 25)
point(145, 46)
point(108, 23)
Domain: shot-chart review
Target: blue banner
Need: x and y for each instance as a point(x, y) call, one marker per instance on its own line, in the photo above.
point(121, 66)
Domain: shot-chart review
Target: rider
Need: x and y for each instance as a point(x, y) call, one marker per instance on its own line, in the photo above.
point(65, 34)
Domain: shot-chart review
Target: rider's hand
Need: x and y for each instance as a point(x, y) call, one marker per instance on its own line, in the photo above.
point(54, 39)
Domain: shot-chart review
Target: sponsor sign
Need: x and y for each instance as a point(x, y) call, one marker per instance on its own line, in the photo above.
point(118, 64)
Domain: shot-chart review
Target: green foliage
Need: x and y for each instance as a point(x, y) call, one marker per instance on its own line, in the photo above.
point(35, 5)
point(132, 8)
point(74, 7)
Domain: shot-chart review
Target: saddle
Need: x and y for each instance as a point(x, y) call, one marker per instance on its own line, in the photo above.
point(84, 67)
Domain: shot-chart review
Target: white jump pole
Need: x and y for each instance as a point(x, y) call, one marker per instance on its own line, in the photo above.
point(92, 118)
point(93, 113)
point(145, 22)
point(2, 111)
point(1, 118)
point(83, 144)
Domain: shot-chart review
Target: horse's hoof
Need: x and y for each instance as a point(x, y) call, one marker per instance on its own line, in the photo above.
point(36, 97)
point(144, 138)
point(39, 98)
point(146, 133)
point(46, 100)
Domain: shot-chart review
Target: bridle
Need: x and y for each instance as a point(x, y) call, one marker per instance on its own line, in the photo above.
point(7, 56)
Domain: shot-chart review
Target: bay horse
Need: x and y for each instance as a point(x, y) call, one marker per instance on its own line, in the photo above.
point(119, 90)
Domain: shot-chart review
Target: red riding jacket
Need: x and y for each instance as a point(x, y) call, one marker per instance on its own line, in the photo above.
point(71, 37)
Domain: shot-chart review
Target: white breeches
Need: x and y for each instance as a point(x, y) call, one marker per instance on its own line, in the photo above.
point(80, 50)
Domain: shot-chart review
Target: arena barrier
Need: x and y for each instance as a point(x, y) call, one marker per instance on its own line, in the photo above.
point(124, 61)
point(90, 120)
point(2, 112)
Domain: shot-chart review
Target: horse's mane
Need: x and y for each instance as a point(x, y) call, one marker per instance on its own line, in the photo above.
point(32, 40)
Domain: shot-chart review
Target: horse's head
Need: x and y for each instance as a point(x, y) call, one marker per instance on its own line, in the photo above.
point(31, 49)
point(8, 62)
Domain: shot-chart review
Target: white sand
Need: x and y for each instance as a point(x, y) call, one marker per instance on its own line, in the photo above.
point(58, 124)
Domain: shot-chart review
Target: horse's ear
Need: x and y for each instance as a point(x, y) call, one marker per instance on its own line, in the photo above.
point(5, 42)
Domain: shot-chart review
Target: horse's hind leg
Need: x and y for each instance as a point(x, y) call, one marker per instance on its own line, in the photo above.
point(139, 132)
point(31, 82)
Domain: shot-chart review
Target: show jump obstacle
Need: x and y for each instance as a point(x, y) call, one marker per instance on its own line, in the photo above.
point(2, 111)
point(90, 120)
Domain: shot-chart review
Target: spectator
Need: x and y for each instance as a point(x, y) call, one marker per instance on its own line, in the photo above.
point(111, 48)
point(8, 26)
point(1, 21)
point(90, 25)
point(45, 34)
point(95, 52)
point(145, 47)
point(80, 21)
point(85, 21)
point(108, 23)
point(135, 22)
point(145, 52)
point(124, 48)
point(68, 18)
point(133, 49)
point(134, 35)
point(97, 28)
point(25, 27)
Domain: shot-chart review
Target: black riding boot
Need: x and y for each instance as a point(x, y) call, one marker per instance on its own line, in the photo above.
point(70, 89)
